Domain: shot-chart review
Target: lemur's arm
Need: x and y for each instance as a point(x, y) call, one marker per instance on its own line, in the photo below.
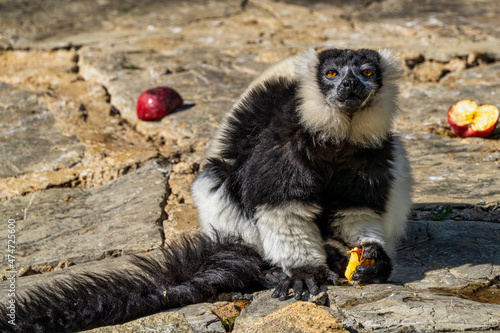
point(381, 221)
point(283, 193)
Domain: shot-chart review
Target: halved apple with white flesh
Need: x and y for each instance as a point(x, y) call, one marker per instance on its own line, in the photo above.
point(467, 119)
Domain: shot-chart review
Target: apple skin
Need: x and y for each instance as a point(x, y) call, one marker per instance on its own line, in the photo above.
point(157, 102)
point(466, 131)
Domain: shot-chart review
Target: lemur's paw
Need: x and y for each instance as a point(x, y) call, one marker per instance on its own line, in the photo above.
point(378, 272)
point(270, 278)
point(311, 276)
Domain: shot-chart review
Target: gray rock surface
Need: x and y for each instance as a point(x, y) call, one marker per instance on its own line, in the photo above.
point(400, 309)
point(201, 318)
point(55, 23)
point(447, 168)
point(31, 141)
point(262, 305)
point(72, 109)
point(439, 254)
point(88, 224)
point(202, 80)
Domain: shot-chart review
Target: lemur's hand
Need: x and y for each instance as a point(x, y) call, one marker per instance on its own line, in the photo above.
point(308, 275)
point(378, 272)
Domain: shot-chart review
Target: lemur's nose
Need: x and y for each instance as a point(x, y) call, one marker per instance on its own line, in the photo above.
point(349, 83)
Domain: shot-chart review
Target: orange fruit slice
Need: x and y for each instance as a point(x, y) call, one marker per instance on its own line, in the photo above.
point(357, 258)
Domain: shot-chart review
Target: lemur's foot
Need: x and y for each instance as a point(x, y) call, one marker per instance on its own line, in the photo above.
point(270, 278)
point(378, 272)
point(311, 276)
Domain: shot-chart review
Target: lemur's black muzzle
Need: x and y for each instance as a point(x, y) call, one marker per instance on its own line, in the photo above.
point(351, 89)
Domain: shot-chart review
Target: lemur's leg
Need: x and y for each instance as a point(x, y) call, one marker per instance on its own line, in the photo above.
point(292, 241)
point(218, 213)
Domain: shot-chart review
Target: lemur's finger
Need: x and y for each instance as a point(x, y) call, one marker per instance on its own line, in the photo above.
point(297, 289)
point(313, 288)
point(282, 288)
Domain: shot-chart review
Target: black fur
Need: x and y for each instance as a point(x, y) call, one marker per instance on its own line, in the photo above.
point(277, 160)
point(190, 271)
point(265, 140)
point(336, 260)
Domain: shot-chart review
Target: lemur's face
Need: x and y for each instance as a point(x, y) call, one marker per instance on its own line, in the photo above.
point(349, 78)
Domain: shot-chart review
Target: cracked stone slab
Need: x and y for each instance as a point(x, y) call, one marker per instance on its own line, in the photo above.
point(485, 212)
point(55, 23)
point(78, 109)
point(431, 29)
point(265, 310)
point(201, 318)
point(439, 254)
point(87, 224)
point(434, 29)
point(262, 305)
point(197, 318)
point(204, 81)
point(30, 139)
point(189, 319)
point(386, 308)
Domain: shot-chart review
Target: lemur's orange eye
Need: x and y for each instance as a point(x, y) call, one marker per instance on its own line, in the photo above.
point(331, 73)
point(367, 72)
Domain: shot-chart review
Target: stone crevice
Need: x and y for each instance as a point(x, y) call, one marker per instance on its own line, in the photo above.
point(423, 69)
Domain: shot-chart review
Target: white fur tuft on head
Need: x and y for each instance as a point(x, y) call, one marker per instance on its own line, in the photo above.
point(391, 64)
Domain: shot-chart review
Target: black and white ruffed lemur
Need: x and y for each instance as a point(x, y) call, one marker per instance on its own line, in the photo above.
point(303, 169)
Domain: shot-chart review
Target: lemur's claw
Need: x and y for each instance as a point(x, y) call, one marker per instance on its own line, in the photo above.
point(308, 275)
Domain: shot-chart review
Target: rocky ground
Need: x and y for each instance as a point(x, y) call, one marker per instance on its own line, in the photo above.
point(86, 181)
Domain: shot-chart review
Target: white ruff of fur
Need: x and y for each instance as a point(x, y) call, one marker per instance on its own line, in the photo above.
point(316, 114)
point(368, 127)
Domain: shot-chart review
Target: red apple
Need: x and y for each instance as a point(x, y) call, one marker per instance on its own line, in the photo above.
point(157, 102)
point(467, 119)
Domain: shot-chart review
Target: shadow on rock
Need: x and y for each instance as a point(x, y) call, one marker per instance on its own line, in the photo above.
point(451, 257)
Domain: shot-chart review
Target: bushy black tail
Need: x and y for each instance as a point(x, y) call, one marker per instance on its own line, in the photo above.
point(189, 271)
